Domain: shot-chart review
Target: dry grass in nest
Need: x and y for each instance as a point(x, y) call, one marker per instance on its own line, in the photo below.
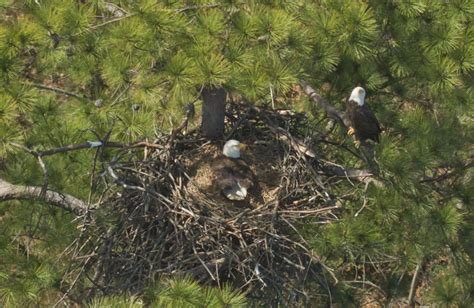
point(262, 158)
point(160, 216)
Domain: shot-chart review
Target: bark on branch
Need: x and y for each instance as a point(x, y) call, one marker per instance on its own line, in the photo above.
point(361, 175)
point(67, 202)
point(365, 176)
point(414, 284)
point(331, 111)
point(86, 145)
point(56, 90)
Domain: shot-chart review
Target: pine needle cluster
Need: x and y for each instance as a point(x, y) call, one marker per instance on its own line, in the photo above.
point(72, 71)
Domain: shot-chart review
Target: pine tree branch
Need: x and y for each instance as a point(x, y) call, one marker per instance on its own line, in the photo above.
point(10, 191)
point(330, 110)
point(73, 147)
point(86, 145)
point(121, 17)
point(115, 10)
point(298, 145)
point(365, 176)
point(195, 7)
point(80, 146)
point(41, 163)
point(112, 21)
point(448, 174)
point(67, 202)
point(56, 90)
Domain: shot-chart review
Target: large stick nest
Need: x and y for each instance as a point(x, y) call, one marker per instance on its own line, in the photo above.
point(158, 215)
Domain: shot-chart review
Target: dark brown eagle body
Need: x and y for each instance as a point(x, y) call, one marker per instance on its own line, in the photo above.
point(363, 121)
point(231, 175)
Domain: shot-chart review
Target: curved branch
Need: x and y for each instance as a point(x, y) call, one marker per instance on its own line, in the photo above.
point(69, 203)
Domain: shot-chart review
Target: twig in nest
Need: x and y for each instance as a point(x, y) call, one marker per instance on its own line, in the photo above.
point(284, 135)
point(183, 125)
point(163, 227)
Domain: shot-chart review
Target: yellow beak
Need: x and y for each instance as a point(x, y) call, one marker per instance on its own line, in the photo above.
point(242, 146)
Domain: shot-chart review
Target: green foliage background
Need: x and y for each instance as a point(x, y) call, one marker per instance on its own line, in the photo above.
point(415, 58)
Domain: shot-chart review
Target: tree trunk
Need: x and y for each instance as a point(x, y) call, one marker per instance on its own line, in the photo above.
point(213, 112)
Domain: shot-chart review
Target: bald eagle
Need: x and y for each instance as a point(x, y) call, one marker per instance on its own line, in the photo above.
point(363, 122)
point(232, 176)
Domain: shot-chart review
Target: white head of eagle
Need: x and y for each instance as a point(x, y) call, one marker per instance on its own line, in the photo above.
point(363, 122)
point(232, 176)
point(232, 148)
point(358, 96)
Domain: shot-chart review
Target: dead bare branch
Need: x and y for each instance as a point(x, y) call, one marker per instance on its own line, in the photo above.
point(413, 285)
point(330, 110)
point(86, 145)
point(195, 7)
point(67, 202)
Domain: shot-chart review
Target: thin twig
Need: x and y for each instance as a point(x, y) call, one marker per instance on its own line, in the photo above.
point(195, 7)
point(411, 295)
point(364, 202)
point(112, 21)
point(87, 145)
point(56, 90)
point(45, 176)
